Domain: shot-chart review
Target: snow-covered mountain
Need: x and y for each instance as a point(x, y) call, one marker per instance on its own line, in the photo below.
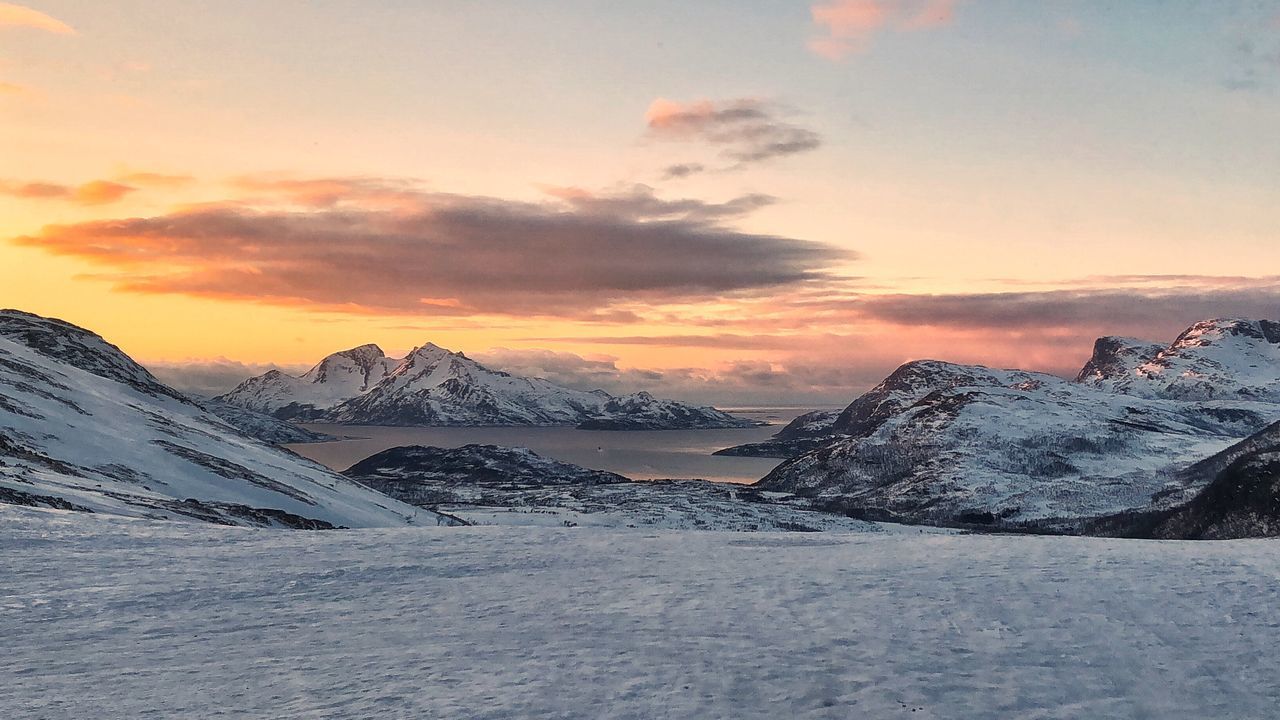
point(944, 443)
point(490, 485)
point(82, 426)
point(335, 379)
point(642, 411)
point(433, 386)
point(1231, 359)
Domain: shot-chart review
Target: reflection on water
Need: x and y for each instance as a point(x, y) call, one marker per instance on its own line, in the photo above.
point(638, 454)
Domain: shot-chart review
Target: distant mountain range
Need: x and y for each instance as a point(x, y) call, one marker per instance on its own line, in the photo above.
point(432, 386)
point(84, 427)
point(937, 442)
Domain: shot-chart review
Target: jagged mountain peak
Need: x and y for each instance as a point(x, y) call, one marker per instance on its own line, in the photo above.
point(368, 352)
point(64, 342)
point(1208, 332)
point(1223, 358)
point(436, 386)
point(1115, 356)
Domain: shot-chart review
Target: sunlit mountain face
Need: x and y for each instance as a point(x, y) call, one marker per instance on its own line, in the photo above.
point(765, 203)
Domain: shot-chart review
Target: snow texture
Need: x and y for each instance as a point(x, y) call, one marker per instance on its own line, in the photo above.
point(261, 426)
point(107, 617)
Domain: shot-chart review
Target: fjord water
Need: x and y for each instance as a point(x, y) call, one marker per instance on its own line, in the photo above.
point(638, 454)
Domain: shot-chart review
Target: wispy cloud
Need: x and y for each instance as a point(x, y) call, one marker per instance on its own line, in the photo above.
point(21, 16)
point(96, 192)
point(581, 255)
point(847, 26)
point(682, 170)
point(747, 130)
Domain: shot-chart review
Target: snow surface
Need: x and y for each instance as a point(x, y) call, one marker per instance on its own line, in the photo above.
point(108, 617)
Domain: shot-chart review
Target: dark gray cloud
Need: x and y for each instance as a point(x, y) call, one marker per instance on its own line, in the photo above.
point(440, 253)
point(682, 170)
point(747, 130)
point(1156, 313)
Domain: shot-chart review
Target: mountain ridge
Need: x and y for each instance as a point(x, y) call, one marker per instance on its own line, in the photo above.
point(945, 443)
point(433, 386)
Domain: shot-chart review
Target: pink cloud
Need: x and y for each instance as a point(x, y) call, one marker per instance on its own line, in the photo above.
point(849, 25)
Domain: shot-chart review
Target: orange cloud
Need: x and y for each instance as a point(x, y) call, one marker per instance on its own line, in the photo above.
point(96, 192)
point(101, 192)
point(11, 89)
point(849, 25)
point(19, 16)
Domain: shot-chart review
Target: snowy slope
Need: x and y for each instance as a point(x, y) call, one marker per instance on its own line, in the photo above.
point(433, 386)
point(82, 425)
point(261, 426)
point(115, 618)
point(938, 442)
point(946, 443)
point(486, 484)
point(1231, 359)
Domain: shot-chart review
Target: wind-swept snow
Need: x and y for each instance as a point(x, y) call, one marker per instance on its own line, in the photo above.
point(120, 618)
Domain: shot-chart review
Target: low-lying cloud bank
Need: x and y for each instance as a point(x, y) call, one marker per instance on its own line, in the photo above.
point(207, 378)
point(370, 246)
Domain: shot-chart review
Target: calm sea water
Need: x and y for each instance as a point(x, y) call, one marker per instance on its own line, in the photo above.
point(640, 455)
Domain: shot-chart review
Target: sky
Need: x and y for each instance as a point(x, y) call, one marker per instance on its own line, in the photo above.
point(764, 202)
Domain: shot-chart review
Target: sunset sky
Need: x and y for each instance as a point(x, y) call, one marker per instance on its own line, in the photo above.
point(727, 201)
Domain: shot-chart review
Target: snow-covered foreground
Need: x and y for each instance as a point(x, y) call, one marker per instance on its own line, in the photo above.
point(117, 617)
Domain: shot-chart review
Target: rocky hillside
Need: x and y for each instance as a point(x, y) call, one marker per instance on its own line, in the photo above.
point(1241, 498)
